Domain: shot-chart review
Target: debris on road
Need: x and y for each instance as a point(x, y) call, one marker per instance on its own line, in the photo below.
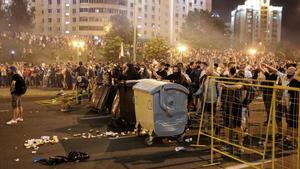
point(177, 149)
point(110, 133)
point(188, 140)
point(17, 160)
point(77, 135)
point(35, 143)
point(95, 133)
point(56, 160)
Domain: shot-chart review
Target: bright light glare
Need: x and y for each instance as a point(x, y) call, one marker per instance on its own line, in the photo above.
point(252, 51)
point(181, 48)
point(78, 44)
point(107, 28)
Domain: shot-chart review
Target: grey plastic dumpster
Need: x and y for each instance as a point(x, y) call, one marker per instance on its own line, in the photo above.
point(161, 108)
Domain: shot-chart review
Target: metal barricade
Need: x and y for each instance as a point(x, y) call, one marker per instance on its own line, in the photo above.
point(235, 122)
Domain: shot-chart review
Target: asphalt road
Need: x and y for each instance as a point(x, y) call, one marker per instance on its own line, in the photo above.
point(107, 153)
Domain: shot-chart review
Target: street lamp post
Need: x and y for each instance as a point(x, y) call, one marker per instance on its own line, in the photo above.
point(134, 30)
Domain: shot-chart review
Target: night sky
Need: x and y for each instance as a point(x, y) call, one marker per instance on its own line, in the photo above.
point(291, 16)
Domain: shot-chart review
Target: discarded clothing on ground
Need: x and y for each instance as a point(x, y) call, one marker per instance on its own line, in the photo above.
point(56, 160)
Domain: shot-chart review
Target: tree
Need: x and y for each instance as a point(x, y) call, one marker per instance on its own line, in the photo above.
point(121, 27)
point(111, 48)
point(203, 30)
point(20, 16)
point(156, 49)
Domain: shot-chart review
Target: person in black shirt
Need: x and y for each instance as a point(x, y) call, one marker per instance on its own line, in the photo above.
point(231, 104)
point(177, 77)
point(162, 71)
point(270, 75)
point(81, 70)
point(16, 96)
point(293, 111)
point(131, 73)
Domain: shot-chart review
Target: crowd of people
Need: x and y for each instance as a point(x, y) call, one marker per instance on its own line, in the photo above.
point(31, 41)
point(193, 73)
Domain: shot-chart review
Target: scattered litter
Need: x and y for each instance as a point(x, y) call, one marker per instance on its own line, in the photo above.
point(35, 143)
point(33, 152)
point(188, 140)
point(177, 149)
point(77, 135)
point(69, 129)
point(110, 133)
point(54, 140)
point(17, 160)
point(95, 133)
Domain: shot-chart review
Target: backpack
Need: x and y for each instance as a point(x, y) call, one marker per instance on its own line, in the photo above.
point(22, 87)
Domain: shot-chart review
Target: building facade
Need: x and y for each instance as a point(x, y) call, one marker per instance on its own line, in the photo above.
point(155, 18)
point(163, 18)
point(256, 22)
point(76, 17)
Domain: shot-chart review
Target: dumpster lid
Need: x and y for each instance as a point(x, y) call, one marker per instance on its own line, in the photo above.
point(153, 86)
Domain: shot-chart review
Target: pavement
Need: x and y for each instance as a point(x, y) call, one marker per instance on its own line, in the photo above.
point(128, 152)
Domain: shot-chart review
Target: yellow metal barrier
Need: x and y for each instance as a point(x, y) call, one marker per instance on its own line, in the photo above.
point(237, 129)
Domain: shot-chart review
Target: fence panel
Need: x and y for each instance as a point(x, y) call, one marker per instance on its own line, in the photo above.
point(249, 121)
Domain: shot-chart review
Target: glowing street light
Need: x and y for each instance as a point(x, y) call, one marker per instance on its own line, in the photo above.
point(252, 51)
point(79, 45)
point(181, 48)
point(107, 28)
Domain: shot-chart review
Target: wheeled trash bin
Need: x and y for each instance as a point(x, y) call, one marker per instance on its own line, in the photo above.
point(123, 110)
point(161, 108)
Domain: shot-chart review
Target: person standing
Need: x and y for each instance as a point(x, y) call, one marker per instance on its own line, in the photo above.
point(17, 89)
